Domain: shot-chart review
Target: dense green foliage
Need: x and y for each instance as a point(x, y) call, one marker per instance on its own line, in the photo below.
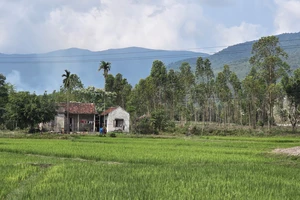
point(188, 95)
point(268, 59)
point(4, 97)
point(27, 110)
point(120, 87)
point(90, 167)
point(291, 86)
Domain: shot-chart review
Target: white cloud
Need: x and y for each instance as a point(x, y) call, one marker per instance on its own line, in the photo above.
point(37, 26)
point(238, 34)
point(109, 24)
point(287, 18)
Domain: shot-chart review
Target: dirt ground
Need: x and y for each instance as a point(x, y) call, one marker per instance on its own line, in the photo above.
point(294, 151)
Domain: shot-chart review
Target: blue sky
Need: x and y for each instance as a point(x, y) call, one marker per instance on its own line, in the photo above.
point(41, 26)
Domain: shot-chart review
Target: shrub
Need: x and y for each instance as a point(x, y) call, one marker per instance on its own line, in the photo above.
point(159, 120)
point(260, 123)
point(143, 126)
point(112, 135)
point(194, 130)
point(170, 127)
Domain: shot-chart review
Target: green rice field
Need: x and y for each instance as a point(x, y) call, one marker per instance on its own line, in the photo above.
point(92, 167)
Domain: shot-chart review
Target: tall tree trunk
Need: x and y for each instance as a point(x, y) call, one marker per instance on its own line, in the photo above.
point(253, 116)
point(225, 115)
point(203, 120)
point(209, 101)
point(250, 114)
point(104, 106)
point(68, 114)
point(241, 116)
point(270, 112)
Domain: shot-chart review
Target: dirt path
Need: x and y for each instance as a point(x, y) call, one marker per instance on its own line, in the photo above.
point(74, 159)
point(294, 151)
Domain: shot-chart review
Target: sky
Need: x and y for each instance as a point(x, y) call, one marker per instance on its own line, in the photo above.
point(35, 26)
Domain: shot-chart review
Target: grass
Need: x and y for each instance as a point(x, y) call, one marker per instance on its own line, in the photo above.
point(92, 167)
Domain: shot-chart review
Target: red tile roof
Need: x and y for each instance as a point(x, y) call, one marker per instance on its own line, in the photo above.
point(78, 108)
point(108, 110)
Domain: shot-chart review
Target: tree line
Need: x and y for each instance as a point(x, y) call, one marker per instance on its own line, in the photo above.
point(197, 94)
point(201, 95)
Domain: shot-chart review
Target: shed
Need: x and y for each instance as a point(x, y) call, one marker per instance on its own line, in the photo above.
point(116, 119)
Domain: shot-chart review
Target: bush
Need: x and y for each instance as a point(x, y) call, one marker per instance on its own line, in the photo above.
point(159, 120)
point(260, 123)
point(112, 135)
point(33, 130)
point(194, 130)
point(2, 127)
point(10, 125)
point(181, 129)
point(143, 126)
point(170, 127)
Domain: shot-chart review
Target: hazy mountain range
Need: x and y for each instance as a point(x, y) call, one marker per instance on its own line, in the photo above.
point(40, 72)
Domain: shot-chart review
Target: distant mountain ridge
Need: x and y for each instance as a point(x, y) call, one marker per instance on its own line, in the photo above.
point(237, 56)
point(40, 72)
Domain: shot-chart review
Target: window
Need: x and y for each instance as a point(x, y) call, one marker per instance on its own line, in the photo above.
point(118, 122)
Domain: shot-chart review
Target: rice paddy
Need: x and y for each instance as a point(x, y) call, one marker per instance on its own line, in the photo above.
point(92, 167)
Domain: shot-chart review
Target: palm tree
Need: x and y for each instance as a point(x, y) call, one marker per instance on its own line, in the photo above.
point(105, 66)
point(67, 85)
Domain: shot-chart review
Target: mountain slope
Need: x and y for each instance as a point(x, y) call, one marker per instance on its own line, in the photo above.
point(40, 72)
point(237, 56)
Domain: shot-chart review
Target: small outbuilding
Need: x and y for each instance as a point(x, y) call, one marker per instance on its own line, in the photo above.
point(116, 119)
point(82, 117)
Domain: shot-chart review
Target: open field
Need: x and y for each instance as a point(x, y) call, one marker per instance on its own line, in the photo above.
point(92, 167)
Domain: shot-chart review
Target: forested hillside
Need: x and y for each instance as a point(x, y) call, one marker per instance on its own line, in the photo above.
point(237, 56)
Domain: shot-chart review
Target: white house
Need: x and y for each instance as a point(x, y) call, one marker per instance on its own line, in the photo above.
point(116, 118)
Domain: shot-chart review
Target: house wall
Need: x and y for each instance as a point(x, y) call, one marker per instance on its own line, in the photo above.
point(118, 113)
point(59, 123)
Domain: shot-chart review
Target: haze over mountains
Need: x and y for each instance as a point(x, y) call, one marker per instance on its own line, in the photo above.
point(40, 72)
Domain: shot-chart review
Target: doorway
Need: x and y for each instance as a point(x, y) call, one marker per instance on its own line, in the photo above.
point(71, 124)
